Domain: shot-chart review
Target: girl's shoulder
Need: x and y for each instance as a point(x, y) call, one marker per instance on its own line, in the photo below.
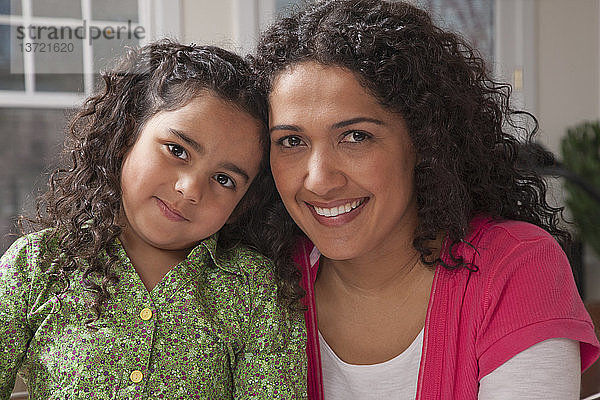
point(27, 250)
point(241, 259)
point(23, 272)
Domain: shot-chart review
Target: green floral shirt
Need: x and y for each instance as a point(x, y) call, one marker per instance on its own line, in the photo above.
point(211, 329)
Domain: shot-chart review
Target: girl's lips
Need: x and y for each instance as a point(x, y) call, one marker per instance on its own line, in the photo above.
point(169, 212)
point(340, 212)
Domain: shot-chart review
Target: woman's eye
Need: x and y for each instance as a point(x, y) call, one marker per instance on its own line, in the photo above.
point(178, 151)
point(224, 181)
point(290, 141)
point(355, 136)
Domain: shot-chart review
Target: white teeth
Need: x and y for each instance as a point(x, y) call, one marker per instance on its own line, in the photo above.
point(335, 211)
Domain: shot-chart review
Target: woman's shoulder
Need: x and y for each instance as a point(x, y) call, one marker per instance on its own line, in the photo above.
point(495, 239)
point(506, 231)
point(507, 250)
point(524, 290)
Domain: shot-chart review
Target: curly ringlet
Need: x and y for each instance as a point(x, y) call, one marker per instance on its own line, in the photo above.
point(83, 202)
point(461, 123)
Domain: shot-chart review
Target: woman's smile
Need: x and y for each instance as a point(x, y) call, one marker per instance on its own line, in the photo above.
point(337, 213)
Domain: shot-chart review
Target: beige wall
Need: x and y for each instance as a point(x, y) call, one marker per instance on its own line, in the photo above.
point(568, 85)
point(568, 65)
point(208, 22)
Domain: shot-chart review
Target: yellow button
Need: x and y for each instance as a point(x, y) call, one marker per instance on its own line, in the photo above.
point(136, 376)
point(146, 314)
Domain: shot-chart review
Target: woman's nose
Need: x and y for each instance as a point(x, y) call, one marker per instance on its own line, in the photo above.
point(324, 174)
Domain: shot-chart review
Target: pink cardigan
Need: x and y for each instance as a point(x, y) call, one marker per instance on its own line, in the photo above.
point(521, 293)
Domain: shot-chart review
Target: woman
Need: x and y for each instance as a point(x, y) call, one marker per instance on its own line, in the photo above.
point(428, 256)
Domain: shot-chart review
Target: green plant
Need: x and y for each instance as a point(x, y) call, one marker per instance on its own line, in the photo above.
point(581, 154)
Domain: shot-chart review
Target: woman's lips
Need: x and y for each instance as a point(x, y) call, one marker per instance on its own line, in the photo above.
point(337, 213)
point(169, 212)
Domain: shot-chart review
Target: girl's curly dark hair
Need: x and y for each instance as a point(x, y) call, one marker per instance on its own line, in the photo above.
point(83, 202)
point(461, 123)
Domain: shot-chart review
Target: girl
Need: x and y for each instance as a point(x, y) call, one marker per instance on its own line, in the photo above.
point(132, 291)
point(427, 253)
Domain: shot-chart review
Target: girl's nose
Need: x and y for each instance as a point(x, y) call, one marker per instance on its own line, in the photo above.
point(191, 187)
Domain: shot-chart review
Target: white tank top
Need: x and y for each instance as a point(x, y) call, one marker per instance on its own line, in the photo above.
point(548, 370)
point(395, 379)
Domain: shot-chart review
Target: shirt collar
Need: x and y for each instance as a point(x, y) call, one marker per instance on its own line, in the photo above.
point(224, 260)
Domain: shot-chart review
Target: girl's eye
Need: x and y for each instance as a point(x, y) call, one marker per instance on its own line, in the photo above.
point(178, 151)
point(224, 181)
point(290, 141)
point(355, 136)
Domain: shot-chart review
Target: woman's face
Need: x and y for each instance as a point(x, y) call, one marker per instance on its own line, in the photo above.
point(343, 163)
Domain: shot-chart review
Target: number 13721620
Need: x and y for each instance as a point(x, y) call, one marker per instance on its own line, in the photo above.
point(46, 47)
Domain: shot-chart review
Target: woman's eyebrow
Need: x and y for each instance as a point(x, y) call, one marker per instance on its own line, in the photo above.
point(195, 145)
point(357, 120)
point(337, 125)
point(284, 128)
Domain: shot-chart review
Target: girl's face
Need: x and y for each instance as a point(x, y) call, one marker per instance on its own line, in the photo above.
point(343, 163)
point(187, 171)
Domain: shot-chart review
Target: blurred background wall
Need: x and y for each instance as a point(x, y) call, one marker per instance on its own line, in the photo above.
point(548, 49)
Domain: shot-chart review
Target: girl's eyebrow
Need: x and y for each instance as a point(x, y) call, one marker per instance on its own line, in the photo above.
point(235, 169)
point(231, 167)
point(195, 145)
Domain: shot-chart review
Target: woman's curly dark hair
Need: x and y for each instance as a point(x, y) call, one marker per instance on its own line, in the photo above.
point(461, 123)
point(83, 202)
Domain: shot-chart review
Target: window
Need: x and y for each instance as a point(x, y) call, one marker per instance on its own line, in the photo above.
point(52, 50)
point(283, 7)
point(474, 19)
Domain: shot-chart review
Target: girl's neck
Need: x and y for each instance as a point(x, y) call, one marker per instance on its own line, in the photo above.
point(150, 263)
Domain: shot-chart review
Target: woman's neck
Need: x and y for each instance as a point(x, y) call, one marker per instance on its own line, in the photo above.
point(369, 310)
point(374, 276)
point(384, 268)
